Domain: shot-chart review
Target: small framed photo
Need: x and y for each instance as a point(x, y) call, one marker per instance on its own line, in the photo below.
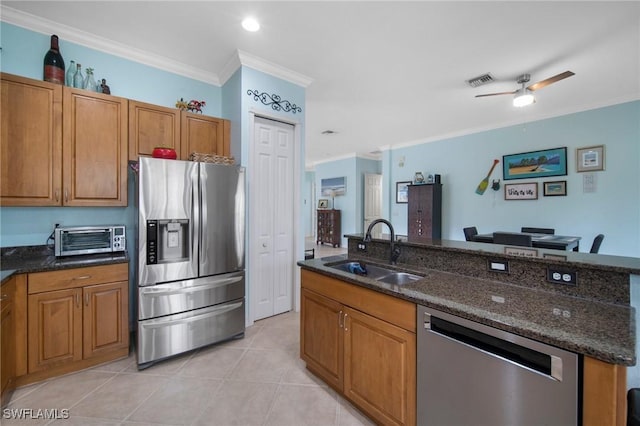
point(555, 188)
point(590, 159)
point(323, 203)
point(402, 192)
point(521, 191)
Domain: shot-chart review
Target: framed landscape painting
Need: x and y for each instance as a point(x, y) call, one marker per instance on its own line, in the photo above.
point(535, 164)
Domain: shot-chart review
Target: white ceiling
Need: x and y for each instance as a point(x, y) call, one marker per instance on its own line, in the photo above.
point(390, 73)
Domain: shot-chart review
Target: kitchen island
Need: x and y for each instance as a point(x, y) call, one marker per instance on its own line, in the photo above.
point(593, 318)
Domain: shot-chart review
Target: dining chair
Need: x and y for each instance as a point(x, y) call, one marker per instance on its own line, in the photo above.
point(470, 232)
point(512, 239)
point(531, 230)
point(595, 247)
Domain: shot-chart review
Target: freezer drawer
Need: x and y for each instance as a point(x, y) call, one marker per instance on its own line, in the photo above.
point(166, 336)
point(181, 296)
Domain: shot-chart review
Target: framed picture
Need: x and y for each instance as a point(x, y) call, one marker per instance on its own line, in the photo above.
point(323, 203)
point(556, 188)
point(521, 191)
point(402, 192)
point(534, 164)
point(332, 187)
point(590, 159)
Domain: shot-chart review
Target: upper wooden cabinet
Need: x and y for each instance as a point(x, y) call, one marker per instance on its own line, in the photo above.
point(152, 125)
point(94, 149)
point(61, 146)
point(203, 134)
point(30, 142)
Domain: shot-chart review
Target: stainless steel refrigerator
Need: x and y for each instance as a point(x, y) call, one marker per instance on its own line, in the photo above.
point(191, 256)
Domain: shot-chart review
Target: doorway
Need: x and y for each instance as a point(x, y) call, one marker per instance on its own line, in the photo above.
point(271, 243)
point(372, 202)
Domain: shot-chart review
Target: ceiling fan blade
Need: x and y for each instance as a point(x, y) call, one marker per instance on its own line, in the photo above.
point(550, 80)
point(496, 94)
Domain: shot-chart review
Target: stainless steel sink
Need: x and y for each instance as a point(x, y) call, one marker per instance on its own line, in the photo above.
point(376, 272)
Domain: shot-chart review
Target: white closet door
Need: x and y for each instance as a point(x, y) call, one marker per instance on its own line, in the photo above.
point(272, 244)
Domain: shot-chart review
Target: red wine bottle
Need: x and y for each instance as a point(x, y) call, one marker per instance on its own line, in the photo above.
point(53, 63)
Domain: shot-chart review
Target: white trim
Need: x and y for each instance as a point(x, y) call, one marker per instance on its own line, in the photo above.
point(273, 69)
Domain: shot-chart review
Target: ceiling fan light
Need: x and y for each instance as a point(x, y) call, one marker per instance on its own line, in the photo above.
point(523, 97)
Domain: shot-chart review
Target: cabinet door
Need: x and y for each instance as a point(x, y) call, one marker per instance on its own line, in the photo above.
point(94, 149)
point(151, 126)
point(30, 142)
point(203, 134)
point(55, 329)
point(106, 313)
point(321, 337)
point(7, 341)
point(380, 368)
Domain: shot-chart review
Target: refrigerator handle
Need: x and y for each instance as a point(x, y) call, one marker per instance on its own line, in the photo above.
point(196, 205)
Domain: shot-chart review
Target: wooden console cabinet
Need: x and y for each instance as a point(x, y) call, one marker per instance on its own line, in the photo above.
point(329, 227)
point(363, 344)
point(424, 212)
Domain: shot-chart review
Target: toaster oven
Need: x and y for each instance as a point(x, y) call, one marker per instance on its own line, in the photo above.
point(71, 241)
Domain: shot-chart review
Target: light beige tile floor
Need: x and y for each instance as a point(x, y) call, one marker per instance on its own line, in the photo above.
point(257, 380)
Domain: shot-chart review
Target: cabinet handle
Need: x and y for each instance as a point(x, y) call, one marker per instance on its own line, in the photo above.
point(340, 323)
point(345, 322)
point(82, 277)
point(66, 195)
point(86, 299)
point(4, 297)
point(77, 300)
point(57, 195)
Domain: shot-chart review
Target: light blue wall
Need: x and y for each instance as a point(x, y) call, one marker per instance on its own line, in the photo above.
point(308, 199)
point(614, 209)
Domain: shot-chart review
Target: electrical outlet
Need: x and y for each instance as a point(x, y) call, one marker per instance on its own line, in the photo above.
point(362, 246)
point(562, 276)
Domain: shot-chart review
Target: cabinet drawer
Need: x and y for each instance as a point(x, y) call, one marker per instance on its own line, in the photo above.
point(77, 277)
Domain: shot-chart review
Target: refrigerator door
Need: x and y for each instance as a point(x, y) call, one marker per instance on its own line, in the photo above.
point(168, 220)
point(223, 212)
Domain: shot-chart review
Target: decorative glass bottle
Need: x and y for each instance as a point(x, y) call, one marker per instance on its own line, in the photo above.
point(89, 81)
point(70, 73)
point(418, 178)
point(78, 78)
point(53, 68)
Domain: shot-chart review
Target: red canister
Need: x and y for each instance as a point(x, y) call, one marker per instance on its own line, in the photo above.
point(166, 153)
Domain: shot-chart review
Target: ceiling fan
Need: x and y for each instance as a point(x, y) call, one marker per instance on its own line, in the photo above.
point(524, 96)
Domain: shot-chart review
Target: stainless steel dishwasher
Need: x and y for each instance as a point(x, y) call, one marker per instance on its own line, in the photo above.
point(472, 374)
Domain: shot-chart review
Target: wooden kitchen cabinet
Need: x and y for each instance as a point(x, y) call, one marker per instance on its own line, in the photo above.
point(62, 146)
point(151, 126)
point(363, 344)
point(203, 134)
point(329, 227)
point(7, 340)
point(30, 142)
point(95, 135)
point(76, 318)
point(424, 212)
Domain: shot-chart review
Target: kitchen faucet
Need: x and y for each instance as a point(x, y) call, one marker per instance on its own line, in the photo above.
point(395, 250)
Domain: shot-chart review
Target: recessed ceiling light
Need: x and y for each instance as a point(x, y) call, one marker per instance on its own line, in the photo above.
point(251, 24)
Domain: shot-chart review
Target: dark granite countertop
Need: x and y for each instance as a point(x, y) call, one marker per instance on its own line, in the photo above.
point(27, 259)
point(603, 331)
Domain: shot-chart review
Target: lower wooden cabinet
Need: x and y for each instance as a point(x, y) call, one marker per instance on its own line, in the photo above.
point(76, 318)
point(7, 340)
point(363, 344)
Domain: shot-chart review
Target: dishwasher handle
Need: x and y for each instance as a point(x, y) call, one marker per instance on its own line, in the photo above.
point(549, 365)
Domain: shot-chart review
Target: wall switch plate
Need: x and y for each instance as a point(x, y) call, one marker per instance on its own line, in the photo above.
point(498, 265)
point(562, 276)
point(362, 246)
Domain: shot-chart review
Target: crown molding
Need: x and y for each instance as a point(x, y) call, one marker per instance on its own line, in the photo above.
point(241, 58)
point(45, 26)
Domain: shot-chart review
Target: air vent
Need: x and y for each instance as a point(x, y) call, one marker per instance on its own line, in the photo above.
point(481, 80)
point(328, 132)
